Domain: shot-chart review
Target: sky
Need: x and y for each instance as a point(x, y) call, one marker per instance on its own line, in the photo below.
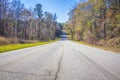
point(60, 7)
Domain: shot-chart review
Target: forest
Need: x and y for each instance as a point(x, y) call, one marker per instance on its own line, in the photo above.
point(95, 22)
point(17, 23)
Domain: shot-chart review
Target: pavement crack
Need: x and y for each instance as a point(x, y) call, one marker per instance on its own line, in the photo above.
point(33, 74)
point(59, 64)
point(99, 67)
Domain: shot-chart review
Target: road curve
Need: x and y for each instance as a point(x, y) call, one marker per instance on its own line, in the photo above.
point(62, 60)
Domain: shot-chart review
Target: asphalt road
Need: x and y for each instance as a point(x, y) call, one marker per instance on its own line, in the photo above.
point(62, 60)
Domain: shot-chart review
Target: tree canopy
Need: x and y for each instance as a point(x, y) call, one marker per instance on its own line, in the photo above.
point(94, 20)
point(18, 22)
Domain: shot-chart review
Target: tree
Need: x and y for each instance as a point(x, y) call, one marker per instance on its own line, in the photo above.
point(38, 10)
point(19, 23)
point(94, 20)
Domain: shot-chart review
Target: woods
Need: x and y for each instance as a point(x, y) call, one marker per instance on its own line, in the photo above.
point(20, 23)
point(95, 22)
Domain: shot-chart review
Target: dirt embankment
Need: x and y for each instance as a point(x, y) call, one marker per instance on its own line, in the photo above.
point(6, 41)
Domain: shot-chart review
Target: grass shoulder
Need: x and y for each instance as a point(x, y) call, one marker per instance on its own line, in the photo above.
point(11, 47)
point(114, 49)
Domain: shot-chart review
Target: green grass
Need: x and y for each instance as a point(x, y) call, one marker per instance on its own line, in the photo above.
point(114, 49)
point(11, 47)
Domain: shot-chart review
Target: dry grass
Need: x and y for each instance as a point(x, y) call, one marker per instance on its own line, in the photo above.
point(114, 49)
point(11, 47)
point(4, 41)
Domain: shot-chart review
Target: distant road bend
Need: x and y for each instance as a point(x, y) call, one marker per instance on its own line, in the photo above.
point(62, 60)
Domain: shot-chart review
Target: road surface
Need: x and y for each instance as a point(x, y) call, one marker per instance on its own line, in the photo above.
point(62, 60)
